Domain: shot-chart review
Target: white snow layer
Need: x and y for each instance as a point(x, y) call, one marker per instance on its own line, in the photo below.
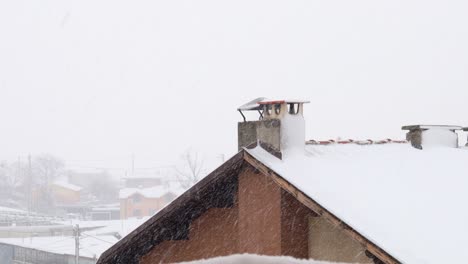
point(412, 203)
point(90, 247)
point(254, 259)
point(11, 210)
point(439, 137)
point(292, 134)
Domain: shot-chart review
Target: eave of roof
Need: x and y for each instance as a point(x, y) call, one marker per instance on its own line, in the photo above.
point(135, 235)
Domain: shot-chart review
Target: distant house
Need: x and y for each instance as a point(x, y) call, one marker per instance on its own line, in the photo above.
point(349, 201)
point(104, 212)
point(142, 181)
point(139, 202)
point(65, 193)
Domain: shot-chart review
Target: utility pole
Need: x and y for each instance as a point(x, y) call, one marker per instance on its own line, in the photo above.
point(29, 187)
point(76, 232)
point(133, 164)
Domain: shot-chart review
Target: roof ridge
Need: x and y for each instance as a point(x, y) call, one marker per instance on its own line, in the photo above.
point(356, 142)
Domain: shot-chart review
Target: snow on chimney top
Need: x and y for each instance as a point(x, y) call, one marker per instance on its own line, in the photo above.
point(432, 135)
point(280, 128)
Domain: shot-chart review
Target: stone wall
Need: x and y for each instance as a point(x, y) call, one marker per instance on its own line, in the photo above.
point(329, 243)
point(267, 132)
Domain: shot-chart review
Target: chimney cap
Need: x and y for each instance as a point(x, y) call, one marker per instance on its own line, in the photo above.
point(257, 103)
point(267, 102)
point(424, 127)
point(252, 105)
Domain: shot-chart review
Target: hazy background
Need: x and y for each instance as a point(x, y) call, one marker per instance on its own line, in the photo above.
point(94, 82)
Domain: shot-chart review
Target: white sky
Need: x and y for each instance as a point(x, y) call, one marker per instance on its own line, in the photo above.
point(95, 81)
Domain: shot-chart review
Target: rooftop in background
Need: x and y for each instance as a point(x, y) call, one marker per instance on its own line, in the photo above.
point(9, 216)
point(353, 141)
point(90, 246)
point(152, 192)
point(67, 185)
point(415, 127)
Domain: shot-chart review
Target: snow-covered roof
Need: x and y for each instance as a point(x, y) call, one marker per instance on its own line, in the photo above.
point(148, 175)
point(152, 192)
point(409, 202)
point(67, 185)
point(90, 246)
point(11, 210)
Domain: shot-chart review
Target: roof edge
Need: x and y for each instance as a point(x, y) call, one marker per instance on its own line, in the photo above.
point(135, 235)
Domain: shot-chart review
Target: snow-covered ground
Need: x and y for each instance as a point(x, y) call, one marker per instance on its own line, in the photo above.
point(90, 246)
point(11, 216)
point(11, 210)
point(92, 243)
point(255, 259)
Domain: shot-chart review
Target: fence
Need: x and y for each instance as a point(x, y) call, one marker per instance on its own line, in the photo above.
point(11, 254)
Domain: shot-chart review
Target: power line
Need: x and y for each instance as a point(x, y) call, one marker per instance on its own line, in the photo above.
point(112, 243)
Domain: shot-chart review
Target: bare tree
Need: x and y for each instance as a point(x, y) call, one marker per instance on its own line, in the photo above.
point(103, 187)
point(46, 168)
point(11, 181)
point(191, 170)
point(5, 186)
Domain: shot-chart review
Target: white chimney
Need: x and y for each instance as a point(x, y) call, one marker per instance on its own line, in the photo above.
point(466, 129)
point(281, 127)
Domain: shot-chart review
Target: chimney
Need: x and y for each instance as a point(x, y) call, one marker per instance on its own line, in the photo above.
point(280, 127)
point(466, 129)
point(432, 135)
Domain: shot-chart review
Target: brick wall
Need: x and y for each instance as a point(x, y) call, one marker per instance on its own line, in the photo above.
point(264, 220)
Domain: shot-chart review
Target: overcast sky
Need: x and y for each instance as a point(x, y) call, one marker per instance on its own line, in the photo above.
point(95, 81)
